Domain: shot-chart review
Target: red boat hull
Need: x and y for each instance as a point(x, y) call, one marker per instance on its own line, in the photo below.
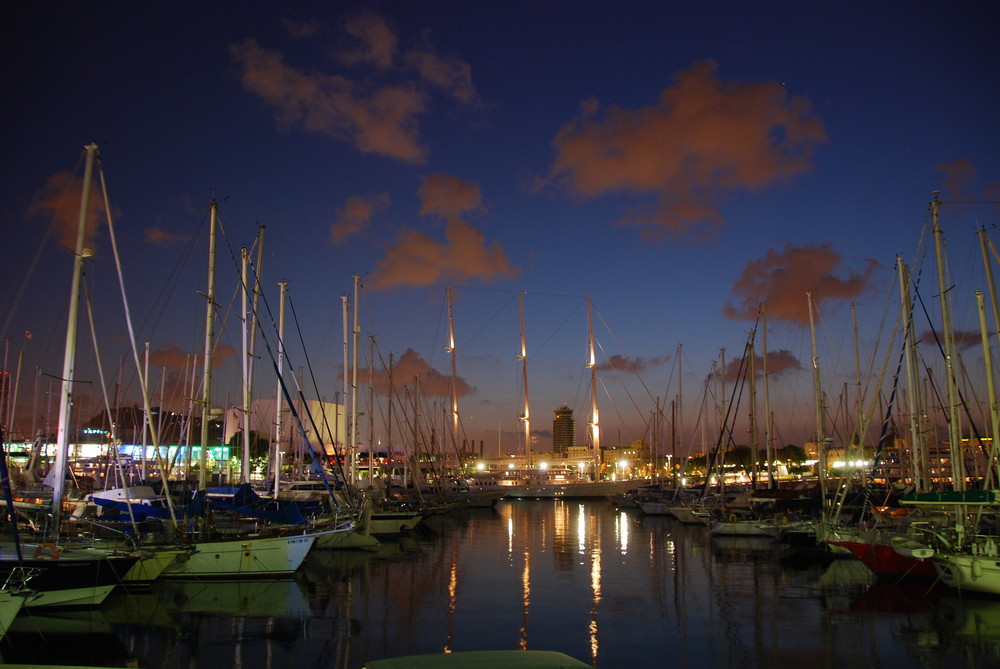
point(884, 561)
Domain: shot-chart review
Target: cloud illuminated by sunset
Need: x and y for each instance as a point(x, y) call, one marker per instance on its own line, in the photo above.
point(416, 259)
point(380, 117)
point(780, 280)
point(679, 158)
point(409, 371)
point(354, 217)
point(60, 199)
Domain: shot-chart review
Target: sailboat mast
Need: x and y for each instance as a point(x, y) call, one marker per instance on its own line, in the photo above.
point(354, 384)
point(69, 356)
point(595, 422)
point(524, 374)
point(206, 390)
point(752, 376)
point(768, 441)
point(820, 417)
point(954, 428)
point(917, 450)
point(991, 390)
point(343, 445)
point(454, 374)
point(245, 458)
point(279, 395)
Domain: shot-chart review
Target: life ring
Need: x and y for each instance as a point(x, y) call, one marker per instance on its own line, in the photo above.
point(733, 518)
point(52, 547)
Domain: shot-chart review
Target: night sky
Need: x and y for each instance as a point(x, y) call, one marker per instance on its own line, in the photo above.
point(680, 163)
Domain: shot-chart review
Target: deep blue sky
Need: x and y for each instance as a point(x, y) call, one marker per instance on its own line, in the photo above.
point(679, 162)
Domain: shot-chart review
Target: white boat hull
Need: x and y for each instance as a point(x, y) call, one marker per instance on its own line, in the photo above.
point(84, 596)
point(744, 528)
point(969, 572)
point(10, 606)
point(243, 558)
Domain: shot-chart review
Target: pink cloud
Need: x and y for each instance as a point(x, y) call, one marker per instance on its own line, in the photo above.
point(780, 280)
point(778, 362)
point(624, 364)
point(375, 42)
point(355, 215)
point(451, 75)
point(380, 120)
point(681, 156)
point(416, 259)
point(409, 369)
point(160, 237)
point(60, 199)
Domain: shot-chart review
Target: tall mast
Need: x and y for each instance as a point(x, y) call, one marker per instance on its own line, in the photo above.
point(69, 355)
point(524, 374)
point(752, 376)
point(679, 415)
point(768, 443)
point(354, 384)
point(917, 449)
point(820, 412)
point(206, 391)
point(954, 428)
point(595, 422)
point(343, 445)
point(278, 394)
point(991, 390)
point(250, 340)
point(454, 375)
point(245, 458)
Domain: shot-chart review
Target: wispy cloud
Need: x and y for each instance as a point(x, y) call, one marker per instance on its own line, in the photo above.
point(161, 237)
point(780, 280)
point(778, 362)
point(416, 259)
point(354, 217)
point(622, 363)
point(174, 358)
point(60, 199)
point(379, 115)
point(680, 157)
point(374, 41)
point(964, 339)
point(408, 371)
point(382, 121)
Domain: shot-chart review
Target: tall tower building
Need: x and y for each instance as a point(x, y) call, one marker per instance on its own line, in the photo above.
point(563, 431)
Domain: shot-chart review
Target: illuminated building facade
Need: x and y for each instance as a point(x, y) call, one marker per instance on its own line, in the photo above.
point(563, 431)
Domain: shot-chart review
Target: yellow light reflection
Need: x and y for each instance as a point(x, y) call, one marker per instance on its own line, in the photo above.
point(525, 598)
point(452, 601)
point(623, 528)
point(595, 585)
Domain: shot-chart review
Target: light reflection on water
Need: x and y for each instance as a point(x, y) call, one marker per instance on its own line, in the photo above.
point(610, 588)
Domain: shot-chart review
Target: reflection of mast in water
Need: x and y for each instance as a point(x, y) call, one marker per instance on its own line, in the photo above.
point(452, 598)
point(595, 586)
point(525, 593)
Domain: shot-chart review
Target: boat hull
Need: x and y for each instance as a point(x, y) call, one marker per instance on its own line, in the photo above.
point(248, 557)
point(68, 578)
point(883, 560)
point(10, 605)
point(976, 573)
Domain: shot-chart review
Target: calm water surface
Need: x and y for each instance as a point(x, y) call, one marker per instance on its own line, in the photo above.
point(608, 587)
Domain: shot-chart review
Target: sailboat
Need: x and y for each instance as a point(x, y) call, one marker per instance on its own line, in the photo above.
point(558, 482)
point(51, 575)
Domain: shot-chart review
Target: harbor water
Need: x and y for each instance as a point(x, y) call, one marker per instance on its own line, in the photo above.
point(609, 587)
